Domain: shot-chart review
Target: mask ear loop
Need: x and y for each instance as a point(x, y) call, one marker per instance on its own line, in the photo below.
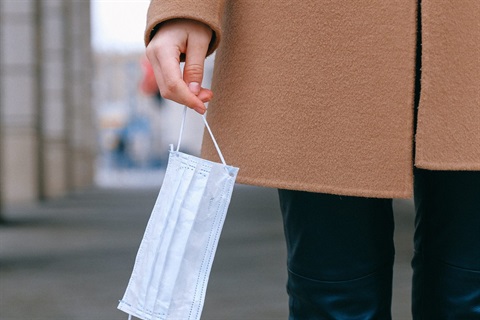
point(209, 131)
point(181, 128)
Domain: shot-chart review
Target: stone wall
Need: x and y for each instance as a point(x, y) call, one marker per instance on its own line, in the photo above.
point(47, 136)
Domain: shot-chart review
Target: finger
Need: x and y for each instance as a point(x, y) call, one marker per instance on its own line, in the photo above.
point(171, 84)
point(194, 62)
point(174, 88)
point(205, 95)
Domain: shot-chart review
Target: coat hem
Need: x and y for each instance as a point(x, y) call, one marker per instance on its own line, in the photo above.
point(355, 192)
point(445, 166)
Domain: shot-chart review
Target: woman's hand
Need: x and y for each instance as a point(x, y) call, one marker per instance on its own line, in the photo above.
point(173, 38)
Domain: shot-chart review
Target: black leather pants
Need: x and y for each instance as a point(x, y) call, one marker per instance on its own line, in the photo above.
point(446, 264)
point(341, 252)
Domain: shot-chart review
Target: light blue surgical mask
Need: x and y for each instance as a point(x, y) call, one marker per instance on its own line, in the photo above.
point(170, 276)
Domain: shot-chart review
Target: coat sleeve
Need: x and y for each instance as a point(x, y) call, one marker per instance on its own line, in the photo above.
point(206, 11)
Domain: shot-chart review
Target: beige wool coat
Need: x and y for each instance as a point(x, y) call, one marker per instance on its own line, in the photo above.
point(319, 95)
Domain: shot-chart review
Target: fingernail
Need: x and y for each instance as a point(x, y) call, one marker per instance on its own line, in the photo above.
point(194, 87)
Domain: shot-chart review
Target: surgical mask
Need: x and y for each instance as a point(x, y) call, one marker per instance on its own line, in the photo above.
point(172, 267)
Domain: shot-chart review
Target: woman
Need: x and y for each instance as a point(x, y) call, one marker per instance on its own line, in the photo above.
point(339, 105)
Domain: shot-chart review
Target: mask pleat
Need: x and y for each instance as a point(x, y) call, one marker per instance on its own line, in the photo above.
point(187, 216)
point(154, 234)
point(163, 243)
point(189, 290)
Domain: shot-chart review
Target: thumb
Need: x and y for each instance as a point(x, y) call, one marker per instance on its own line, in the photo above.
point(195, 54)
point(195, 87)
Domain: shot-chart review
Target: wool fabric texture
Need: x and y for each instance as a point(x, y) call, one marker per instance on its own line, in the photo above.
point(319, 95)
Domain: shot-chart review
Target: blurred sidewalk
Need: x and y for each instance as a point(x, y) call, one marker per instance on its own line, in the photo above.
point(71, 258)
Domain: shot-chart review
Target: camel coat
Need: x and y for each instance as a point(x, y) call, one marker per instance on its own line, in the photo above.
point(319, 95)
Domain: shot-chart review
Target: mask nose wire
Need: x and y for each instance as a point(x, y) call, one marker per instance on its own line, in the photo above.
point(209, 131)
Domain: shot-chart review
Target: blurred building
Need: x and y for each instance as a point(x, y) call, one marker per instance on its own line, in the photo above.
point(135, 127)
point(128, 121)
point(47, 132)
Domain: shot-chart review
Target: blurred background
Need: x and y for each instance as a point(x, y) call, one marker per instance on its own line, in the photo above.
point(84, 137)
point(77, 102)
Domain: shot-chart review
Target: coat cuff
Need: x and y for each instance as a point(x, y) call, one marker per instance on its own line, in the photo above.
point(208, 12)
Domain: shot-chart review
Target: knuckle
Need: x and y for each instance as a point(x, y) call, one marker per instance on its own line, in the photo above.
point(170, 88)
point(166, 94)
point(194, 70)
point(150, 51)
